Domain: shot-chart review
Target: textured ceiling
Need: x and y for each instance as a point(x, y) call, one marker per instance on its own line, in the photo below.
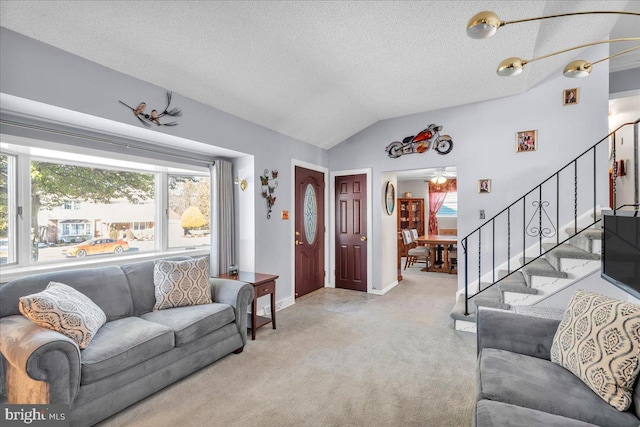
point(316, 71)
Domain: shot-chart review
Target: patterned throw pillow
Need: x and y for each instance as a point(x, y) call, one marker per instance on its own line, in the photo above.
point(64, 309)
point(598, 340)
point(181, 283)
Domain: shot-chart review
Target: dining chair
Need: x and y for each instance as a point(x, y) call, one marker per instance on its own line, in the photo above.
point(413, 253)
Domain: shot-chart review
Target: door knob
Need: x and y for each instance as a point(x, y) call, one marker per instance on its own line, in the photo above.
point(298, 242)
point(363, 238)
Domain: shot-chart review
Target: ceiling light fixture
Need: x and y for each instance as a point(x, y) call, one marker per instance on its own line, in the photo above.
point(485, 24)
point(438, 179)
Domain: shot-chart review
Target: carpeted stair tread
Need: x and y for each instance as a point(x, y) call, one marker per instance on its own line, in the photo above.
point(568, 251)
point(516, 277)
point(518, 288)
point(591, 233)
point(490, 297)
point(457, 313)
point(541, 267)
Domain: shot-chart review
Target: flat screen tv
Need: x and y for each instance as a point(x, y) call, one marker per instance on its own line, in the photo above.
point(621, 250)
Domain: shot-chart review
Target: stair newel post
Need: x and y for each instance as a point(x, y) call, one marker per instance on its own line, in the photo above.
point(466, 277)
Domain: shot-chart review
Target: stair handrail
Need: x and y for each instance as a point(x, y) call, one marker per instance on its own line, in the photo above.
point(491, 220)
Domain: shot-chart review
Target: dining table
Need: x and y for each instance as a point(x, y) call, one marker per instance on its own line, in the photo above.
point(438, 262)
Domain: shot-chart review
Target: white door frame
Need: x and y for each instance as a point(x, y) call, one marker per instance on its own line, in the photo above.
point(332, 215)
point(292, 219)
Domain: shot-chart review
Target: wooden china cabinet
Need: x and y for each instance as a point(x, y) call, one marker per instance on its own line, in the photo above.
point(411, 215)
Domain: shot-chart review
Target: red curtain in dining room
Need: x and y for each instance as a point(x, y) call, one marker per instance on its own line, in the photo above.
point(437, 193)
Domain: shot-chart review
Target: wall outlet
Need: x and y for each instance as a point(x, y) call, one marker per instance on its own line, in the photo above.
point(482, 214)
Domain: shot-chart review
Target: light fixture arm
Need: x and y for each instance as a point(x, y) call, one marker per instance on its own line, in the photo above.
point(514, 66)
point(625, 39)
point(485, 24)
point(611, 12)
point(617, 54)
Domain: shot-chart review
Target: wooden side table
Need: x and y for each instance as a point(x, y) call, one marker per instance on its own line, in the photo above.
point(263, 284)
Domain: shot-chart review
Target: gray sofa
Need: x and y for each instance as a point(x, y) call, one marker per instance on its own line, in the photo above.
point(518, 385)
point(136, 353)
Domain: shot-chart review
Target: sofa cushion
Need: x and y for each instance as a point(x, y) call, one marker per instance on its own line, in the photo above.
point(139, 276)
point(598, 340)
point(181, 283)
point(542, 385)
point(191, 323)
point(490, 413)
point(121, 344)
point(105, 286)
point(63, 309)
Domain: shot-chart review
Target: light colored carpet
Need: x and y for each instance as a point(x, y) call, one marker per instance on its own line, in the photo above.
point(338, 358)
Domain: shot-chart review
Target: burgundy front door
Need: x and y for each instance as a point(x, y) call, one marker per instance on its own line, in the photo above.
point(309, 231)
point(351, 232)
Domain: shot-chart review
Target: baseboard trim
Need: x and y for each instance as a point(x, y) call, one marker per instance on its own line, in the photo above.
point(385, 290)
point(283, 303)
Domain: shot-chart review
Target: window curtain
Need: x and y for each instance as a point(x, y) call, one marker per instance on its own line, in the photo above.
point(437, 194)
point(223, 245)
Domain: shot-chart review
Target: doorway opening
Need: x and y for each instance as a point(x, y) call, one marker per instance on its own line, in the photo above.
point(427, 217)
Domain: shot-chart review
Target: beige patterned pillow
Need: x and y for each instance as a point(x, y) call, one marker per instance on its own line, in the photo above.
point(598, 340)
point(65, 310)
point(181, 283)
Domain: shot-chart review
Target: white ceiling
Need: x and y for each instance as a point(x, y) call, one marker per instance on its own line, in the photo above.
point(424, 174)
point(319, 71)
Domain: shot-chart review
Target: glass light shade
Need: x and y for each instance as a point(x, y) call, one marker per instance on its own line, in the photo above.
point(483, 25)
point(438, 179)
point(579, 68)
point(511, 67)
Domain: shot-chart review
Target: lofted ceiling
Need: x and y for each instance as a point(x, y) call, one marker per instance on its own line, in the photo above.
point(319, 71)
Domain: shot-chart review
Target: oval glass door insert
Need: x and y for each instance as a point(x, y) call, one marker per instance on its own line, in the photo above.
point(310, 214)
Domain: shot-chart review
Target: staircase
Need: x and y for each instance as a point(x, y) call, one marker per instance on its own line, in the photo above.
point(519, 257)
point(559, 267)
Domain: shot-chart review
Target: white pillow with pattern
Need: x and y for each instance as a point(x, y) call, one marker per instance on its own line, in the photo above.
point(66, 310)
point(598, 340)
point(181, 283)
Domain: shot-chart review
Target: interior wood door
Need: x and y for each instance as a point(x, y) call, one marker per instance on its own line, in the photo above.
point(309, 231)
point(351, 232)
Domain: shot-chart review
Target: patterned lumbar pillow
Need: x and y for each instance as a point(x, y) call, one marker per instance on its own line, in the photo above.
point(65, 310)
point(181, 283)
point(598, 340)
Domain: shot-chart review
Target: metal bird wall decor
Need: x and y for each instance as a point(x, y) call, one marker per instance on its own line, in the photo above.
point(154, 117)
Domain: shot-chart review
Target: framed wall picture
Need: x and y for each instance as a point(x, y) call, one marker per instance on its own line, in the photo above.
point(526, 140)
point(484, 186)
point(570, 96)
point(390, 198)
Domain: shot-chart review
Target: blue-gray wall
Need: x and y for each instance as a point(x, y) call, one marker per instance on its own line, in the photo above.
point(484, 146)
point(36, 71)
point(624, 81)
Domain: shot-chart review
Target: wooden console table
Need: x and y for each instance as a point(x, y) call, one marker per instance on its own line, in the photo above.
point(263, 284)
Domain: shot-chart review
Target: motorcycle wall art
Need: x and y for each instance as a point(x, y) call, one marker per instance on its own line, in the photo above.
point(423, 141)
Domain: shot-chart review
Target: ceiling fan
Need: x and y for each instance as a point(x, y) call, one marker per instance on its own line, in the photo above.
point(440, 176)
